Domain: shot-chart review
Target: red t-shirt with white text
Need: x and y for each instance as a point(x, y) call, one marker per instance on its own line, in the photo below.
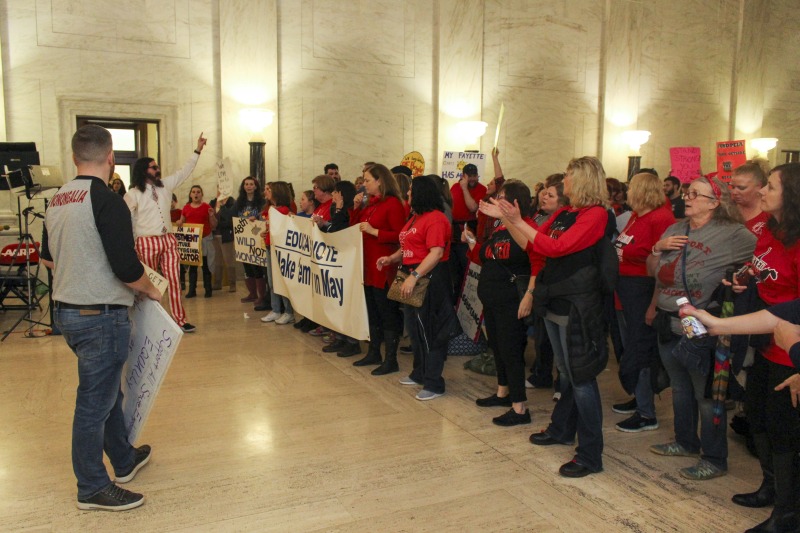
point(423, 232)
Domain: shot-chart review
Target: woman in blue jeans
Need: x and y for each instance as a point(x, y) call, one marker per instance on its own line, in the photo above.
point(690, 261)
point(567, 293)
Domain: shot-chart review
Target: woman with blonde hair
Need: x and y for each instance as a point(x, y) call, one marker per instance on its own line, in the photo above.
point(651, 216)
point(569, 295)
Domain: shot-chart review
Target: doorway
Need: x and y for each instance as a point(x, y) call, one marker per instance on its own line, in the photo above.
point(133, 138)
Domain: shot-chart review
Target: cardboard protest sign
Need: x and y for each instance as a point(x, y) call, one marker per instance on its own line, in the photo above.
point(156, 279)
point(685, 162)
point(730, 154)
point(224, 181)
point(454, 162)
point(248, 245)
point(470, 308)
point(190, 243)
point(321, 273)
point(415, 162)
point(154, 340)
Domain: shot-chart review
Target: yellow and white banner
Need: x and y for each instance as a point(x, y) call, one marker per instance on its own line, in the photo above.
point(321, 273)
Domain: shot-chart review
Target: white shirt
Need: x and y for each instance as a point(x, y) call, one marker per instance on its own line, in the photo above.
point(151, 217)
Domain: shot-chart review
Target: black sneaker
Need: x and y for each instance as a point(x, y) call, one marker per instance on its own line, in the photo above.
point(300, 323)
point(637, 423)
point(512, 418)
point(111, 498)
point(626, 408)
point(494, 401)
point(142, 456)
point(188, 328)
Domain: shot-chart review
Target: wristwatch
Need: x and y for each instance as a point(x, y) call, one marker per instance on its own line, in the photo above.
point(415, 274)
point(529, 291)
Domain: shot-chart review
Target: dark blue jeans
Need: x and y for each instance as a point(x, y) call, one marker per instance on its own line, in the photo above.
point(579, 410)
point(100, 341)
point(690, 406)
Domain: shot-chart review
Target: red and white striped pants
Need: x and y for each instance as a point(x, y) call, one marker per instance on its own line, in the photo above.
point(160, 252)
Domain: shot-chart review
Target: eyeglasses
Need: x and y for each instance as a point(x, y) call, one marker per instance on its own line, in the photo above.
point(691, 195)
point(154, 167)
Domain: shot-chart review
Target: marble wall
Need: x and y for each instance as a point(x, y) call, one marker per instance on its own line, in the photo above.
point(374, 79)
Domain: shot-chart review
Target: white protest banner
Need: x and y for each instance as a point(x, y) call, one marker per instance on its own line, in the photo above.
point(470, 308)
point(190, 243)
point(224, 181)
point(321, 273)
point(154, 340)
point(454, 162)
point(247, 242)
point(156, 279)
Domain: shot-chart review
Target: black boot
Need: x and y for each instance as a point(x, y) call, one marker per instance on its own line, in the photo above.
point(192, 282)
point(207, 281)
point(373, 356)
point(785, 517)
point(765, 495)
point(390, 360)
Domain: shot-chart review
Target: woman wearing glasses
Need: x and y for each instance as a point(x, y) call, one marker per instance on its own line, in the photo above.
point(689, 261)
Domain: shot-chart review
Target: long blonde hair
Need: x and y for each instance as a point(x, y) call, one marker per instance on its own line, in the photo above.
point(588, 185)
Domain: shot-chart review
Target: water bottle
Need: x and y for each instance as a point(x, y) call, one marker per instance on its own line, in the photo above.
point(693, 328)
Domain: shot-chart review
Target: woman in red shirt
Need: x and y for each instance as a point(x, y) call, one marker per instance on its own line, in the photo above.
point(199, 212)
point(380, 222)
point(278, 196)
point(774, 423)
point(424, 250)
point(651, 216)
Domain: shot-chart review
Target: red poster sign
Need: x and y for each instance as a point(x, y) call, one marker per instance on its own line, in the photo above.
point(685, 162)
point(730, 154)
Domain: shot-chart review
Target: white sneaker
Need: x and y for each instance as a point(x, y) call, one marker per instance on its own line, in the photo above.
point(285, 318)
point(556, 396)
point(425, 395)
point(271, 317)
point(408, 381)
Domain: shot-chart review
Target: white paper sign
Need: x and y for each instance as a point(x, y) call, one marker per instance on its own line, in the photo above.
point(224, 181)
point(159, 281)
point(154, 339)
point(454, 162)
point(247, 242)
point(470, 308)
point(321, 273)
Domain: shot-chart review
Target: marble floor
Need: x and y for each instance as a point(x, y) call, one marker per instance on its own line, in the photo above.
point(255, 429)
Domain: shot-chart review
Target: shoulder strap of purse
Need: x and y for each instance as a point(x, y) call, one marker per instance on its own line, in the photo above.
point(684, 253)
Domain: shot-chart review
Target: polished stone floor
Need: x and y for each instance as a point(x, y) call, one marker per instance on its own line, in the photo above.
point(256, 430)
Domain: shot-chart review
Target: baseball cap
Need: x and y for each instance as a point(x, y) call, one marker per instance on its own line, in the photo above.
point(470, 170)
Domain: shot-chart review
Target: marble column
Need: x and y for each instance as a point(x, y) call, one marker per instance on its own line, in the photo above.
point(2, 100)
point(749, 74)
point(623, 34)
point(460, 60)
point(248, 74)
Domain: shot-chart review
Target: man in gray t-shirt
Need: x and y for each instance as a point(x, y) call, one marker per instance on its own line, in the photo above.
point(88, 242)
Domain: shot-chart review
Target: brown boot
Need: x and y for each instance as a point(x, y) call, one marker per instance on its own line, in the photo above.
point(251, 289)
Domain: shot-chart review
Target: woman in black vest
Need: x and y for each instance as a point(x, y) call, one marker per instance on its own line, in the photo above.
point(568, 294)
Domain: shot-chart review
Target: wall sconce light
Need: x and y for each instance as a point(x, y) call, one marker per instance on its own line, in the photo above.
point(763, 145)
point(635, 139)
point(472, 131)
point(256, 120)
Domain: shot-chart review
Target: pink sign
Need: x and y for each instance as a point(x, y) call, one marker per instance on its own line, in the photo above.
point(685, 162)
